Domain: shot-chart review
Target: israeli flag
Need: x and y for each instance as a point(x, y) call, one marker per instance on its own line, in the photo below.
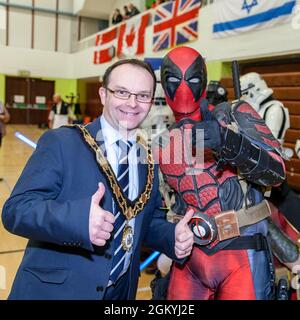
point(236, 16)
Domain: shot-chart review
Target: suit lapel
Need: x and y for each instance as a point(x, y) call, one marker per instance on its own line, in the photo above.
point(142, 173)
point(142, 167)
point(94, 129)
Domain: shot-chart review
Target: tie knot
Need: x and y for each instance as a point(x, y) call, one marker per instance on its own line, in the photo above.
point(124, 145)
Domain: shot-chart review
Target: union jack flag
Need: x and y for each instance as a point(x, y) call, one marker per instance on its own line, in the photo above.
point(175, 23)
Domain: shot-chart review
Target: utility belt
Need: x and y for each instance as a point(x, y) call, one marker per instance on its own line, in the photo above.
point(225, 225)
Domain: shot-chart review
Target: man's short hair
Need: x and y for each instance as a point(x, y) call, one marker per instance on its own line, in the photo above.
point(135, 62)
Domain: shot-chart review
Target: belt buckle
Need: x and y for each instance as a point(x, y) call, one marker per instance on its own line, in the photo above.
point(227, 225)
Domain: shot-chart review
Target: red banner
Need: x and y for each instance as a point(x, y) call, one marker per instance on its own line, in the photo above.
point(105, 43)
point(131, 40)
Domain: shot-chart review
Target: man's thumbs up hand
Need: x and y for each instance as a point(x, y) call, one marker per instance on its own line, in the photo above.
point(101, 221)
point(97, 196)
point(184, 237)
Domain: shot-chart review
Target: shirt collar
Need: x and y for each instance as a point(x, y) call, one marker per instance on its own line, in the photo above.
point(110, 134)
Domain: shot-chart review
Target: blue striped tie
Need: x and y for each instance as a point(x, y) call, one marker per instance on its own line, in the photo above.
point(123, 180)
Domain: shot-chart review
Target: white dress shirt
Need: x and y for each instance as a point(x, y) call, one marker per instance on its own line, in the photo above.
point(110, 137)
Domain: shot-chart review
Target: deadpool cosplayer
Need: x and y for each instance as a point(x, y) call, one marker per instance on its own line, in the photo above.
point(231, 257)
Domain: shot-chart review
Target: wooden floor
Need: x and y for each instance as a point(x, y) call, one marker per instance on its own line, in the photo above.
point(13, 156)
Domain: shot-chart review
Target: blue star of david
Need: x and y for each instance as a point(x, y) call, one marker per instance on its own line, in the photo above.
point(248, 7)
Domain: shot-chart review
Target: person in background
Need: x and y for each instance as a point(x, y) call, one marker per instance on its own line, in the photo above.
point(126, 13)
point(133, 10)
point(59, 114)
point(4, 118)
point(117, 17)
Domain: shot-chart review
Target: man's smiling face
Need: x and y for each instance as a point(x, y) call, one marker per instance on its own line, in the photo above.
point(128, 113)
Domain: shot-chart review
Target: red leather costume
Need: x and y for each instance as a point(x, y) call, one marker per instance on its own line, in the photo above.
point(213, 271)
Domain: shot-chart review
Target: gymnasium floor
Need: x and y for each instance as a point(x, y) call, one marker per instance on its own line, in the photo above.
point(13, 156)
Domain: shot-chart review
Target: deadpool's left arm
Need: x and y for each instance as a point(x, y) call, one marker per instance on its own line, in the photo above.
point(255, 161)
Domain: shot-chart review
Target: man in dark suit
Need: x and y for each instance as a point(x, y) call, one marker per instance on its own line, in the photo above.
point(70, 210)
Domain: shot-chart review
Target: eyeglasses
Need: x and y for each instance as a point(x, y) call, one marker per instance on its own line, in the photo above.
point(125, 95)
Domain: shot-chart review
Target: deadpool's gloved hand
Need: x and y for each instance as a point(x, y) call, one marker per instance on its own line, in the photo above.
point(211, 134)
point(222, 113)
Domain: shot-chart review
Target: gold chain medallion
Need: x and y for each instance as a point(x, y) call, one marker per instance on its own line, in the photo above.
point(127, 238)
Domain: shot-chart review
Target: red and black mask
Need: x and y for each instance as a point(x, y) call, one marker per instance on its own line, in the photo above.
point(184, 79)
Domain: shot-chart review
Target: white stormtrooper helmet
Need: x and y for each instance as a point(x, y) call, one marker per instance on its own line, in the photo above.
point(254, 89)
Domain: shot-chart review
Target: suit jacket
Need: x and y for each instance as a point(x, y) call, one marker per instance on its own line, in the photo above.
point(50, 206)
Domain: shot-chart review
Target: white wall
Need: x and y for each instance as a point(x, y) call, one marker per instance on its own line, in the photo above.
point(39, 63)
point(65, 34)
point(44, 40)
point(66, 5)
point(99, 9)
point(19, 33)
point(46, 4)
point(2, 18)
point(20, 25)
point(88, 27)
point(77, 5)
point(22, 2)
point(2, 25)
